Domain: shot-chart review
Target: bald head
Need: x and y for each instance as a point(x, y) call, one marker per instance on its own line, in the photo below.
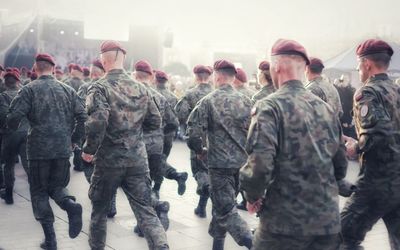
point(112, 60)
point(287, 67)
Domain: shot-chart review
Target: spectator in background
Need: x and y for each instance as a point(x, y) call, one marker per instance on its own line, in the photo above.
point(346, 93)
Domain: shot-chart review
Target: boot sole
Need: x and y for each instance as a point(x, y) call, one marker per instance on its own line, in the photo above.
point(182, 183)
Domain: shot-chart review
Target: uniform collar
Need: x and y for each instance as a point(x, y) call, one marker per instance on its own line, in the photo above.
point(46, 77)
point(225, 86)
point(116, 72)
point(378, 77)
point(292, 84)
point(268, 87)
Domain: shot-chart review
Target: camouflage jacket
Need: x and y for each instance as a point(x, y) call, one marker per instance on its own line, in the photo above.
point(224, 116)
point(171, 98)
point(245, 91)
point(5, 100)
point(377, 120)
point(295, 158)
point(56, 116)
point(264, 92)
point(327, 92)
point(74, 82)
point(83, 90)
point(119, 108)
point(2, 85)
point(190, 99)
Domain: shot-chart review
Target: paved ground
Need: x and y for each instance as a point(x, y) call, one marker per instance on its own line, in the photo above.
point(19, 230)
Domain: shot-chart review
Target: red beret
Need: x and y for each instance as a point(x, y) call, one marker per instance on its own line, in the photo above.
point(316, 62)
point(373, 46)
point(77, 67)
point(223, 64)
point(70, 66)
point(98, 64)
point(143, 66)
point(34, 76)
point(111, 46)
point(289, 47)
point(8, 69)
point(16, 70)
point(45, 58)
point(241, 75)
point(1, 68)
point(86, 71)
point(264, 65)
point(59, 72)
point(161, 75)
point(14, 74)
point(202, 69)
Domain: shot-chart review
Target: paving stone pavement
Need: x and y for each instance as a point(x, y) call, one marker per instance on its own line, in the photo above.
point(20, 231)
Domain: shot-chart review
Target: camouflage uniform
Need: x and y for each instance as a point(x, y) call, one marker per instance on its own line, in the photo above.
point(74, 82)
point(56, 116)
point(296, 156)
point(225, 116)
point(183, 109)
point(14, 142)
point(327, 92)
point(118, 109)
point(245, 91)
point(377, 118)
point(264, 92)
point(2, 85)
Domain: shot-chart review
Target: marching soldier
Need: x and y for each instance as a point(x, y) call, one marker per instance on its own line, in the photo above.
point(240, 83)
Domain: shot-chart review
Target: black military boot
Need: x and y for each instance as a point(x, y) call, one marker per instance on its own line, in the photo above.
point(74, 211)
point(8, 196)
point(112, 211)
point(247, 241)
point(346, 245)
point(137, 231)
point(218, 244)
point(162, 209)
point(200, 210)
point(181, 178)
point(50, 242)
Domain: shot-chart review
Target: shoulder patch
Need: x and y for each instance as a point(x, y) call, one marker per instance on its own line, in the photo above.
point(364, 110)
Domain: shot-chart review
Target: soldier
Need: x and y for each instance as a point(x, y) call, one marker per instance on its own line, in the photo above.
point(76, 76)
point(295, 157)
point(59, 75)
point(86, 74)
point(264, 78)
point(224, 115)
point(240, 83)
point(13, 142)
point(321, 87)
point(377, 119)
point(119, 108)
point(96, 72)
point(183, 109)
point(56, 117)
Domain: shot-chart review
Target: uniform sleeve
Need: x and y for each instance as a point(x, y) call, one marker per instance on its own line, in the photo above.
point(340, 159)
point(262, 144)
point(371, 118)
point(171, 120)
point(152, 120)
point(197, 125)
point(3, 111)
point(80, 116)
point(19, 108)
point(98, 109)
point(318, 92)
point(182, 110)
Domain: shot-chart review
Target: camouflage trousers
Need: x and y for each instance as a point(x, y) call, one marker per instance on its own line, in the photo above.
point(137, 188)
point(48, 178)
point(362, 211)
point(265, 240)
point(13, 145)
point(224, 184)
point(200, 173)
point(168, 141)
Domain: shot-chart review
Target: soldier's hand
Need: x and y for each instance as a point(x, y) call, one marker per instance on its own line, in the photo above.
point(203, 155)
point(254, 207)
point(87, 157)
point(351, 147)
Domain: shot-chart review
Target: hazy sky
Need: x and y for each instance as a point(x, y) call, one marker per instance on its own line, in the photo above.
point(325, 27)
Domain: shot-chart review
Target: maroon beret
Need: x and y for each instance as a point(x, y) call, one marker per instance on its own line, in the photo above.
point(241, 75)
point(77, 67)
point(14, 74)
point(373, 46)
point(111, 46)
point(161, 75)
point(264, 65)
point(1, 68)
point(143, 66)
point(202, 69)
point(34, 76)
point(86, 71)
point(98, 64)
point(316, 62)
point(8, 69)
point(223, 64)
point(16, 70)
point(70, 66)
point(45, 58)
point(289, 47)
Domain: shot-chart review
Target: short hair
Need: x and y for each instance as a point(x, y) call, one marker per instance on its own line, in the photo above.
point(227, 72)
point(202, 76)
point(161, 81)
point(381, 60)
point(316, 69)
point(43, 66)
point(142, 75)
point(10, 81)
point(267, 75)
